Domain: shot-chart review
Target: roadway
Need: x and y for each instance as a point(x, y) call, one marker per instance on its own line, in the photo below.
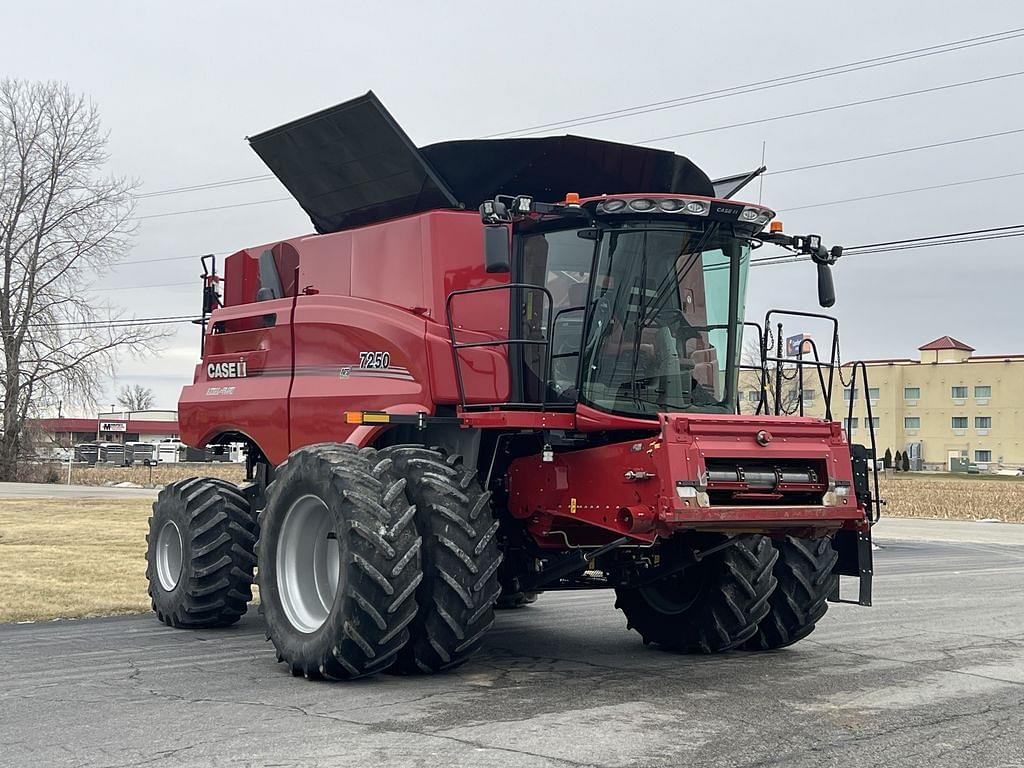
point(933, 675)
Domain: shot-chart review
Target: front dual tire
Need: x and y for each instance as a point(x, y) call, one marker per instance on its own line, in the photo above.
point(755, 594)
point(339, 558)
point(374, 560)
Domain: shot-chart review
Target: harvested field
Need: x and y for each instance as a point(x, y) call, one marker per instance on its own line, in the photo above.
point(952, 498)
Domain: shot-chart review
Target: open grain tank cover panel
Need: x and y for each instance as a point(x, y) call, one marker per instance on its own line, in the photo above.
point(547, 168)
point(352, 164)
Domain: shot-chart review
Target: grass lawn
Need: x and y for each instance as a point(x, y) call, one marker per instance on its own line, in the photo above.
point(76, 558)
point(72, 558)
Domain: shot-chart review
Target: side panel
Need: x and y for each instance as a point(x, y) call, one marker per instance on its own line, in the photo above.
point(633, 488)
point(243, 381)
point(354, 354)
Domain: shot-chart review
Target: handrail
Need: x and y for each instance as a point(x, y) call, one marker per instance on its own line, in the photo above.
point(457, 345)
point(875, 513)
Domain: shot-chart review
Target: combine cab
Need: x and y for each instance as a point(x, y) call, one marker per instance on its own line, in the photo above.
point(499, 368)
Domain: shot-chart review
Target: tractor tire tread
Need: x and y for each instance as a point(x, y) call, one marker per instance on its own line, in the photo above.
point(217, 573)
point(369, 622)
point(460, 558)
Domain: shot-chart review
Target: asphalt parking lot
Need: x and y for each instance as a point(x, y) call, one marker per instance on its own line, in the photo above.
point(933, 675)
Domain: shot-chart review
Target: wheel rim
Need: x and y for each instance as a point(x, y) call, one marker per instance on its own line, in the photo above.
point(308, 564)
point(168, 555)
point(675, 594)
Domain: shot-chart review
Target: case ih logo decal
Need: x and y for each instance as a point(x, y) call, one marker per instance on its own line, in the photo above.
point(226, 370)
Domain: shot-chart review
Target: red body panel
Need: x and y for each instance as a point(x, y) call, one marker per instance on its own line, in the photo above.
point(380, 288)
point(567, 499)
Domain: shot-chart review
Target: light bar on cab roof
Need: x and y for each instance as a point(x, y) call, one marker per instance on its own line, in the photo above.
point(688, 206)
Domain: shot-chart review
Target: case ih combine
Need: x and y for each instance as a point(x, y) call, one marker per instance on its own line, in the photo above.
point(501, 367)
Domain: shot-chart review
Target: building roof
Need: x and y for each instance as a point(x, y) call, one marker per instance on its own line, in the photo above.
point(946, 342)
point(90, 425)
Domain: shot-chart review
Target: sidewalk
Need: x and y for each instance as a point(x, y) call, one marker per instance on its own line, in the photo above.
point(919, 529)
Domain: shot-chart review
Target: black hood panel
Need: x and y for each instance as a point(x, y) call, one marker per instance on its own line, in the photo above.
point(352, 164)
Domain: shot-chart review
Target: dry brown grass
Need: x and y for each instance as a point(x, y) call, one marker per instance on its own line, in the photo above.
point(953, 498)
point(62, 558)
point(86, 557)
point(163, 474)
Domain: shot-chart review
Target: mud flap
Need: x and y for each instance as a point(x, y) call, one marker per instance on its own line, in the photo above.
point(855, 559)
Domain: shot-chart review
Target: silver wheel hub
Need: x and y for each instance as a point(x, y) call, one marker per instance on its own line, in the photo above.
point(308, 563)
point(169, 555)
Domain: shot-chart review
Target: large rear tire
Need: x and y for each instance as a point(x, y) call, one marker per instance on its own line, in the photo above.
point(805, 576)
point(339, 562)
point(460, 558)
point(712, 606)
point(200, 554)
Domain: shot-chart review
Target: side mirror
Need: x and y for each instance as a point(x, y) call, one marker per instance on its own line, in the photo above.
point(497, 254)
point(826, 287)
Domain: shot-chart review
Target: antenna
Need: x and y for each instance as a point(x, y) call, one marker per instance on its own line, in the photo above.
point(760, 186)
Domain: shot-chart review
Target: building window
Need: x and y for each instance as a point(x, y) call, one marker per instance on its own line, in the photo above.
point(874, 422)
point(911, 393)
point(959, 393)
point(983, 391)
point(959, 422)
point(753, 396)
point(850, 424)
point(911, 422)
point(983, 456)
point(808, 395)
point(872, 393)
point(983, 422)
point(850, 394)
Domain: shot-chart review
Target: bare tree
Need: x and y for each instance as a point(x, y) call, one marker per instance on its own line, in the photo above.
point(63, 224)
point(136, 398)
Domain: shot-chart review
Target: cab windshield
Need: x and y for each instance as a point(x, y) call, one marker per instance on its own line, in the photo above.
point(645, 326)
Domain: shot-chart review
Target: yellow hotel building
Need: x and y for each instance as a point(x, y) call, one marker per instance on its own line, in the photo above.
point(947, 404)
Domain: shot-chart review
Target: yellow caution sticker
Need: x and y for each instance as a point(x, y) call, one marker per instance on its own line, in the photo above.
point(572, 506)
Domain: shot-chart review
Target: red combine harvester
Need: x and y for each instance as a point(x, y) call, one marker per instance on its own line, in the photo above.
point(503, 367)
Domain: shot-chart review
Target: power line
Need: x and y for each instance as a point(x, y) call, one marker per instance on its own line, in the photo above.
point(814, 74)
point(845, 105)
point(761, 85)
point(193, 283)
point(213, 208)
point(773, 118)
point(889, 153)
point(133, 322)
point(901, 192)
point(932, 241)
point(207, 185)
point(937, 237)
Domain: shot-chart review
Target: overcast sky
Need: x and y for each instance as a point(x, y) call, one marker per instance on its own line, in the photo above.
point(180, 84)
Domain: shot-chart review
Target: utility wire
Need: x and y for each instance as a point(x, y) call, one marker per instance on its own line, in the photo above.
point(969, 236)
point(128, 322)
point(572, 122)
point(213, 208)
point(845, 105)
point(901, 192)
point(892, 152)
point(814, 74)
